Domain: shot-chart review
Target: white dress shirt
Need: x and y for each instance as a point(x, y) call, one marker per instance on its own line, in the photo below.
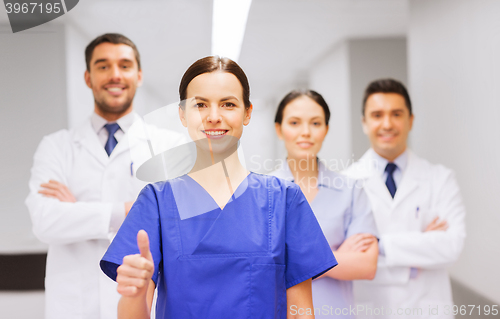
point(401, 162)
point(125, 122)
point(98, 123)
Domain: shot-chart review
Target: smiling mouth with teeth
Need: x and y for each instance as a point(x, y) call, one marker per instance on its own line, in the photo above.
point(115, 89)
point(215, 133)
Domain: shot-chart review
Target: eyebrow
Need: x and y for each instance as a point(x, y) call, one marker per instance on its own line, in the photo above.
point(200, 98)
point(100, 60)
point(223, 99)
point(105, 60)
point(229, 98)
point(391, 111)
point(312, 118)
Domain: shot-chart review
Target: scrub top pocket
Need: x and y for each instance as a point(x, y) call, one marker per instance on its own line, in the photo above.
point(267, 291)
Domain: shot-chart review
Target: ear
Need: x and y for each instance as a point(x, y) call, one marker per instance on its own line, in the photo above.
point(327, 128)
point(277, 127)
point(139, 78)
point(86, 76)
point(365, 126)
point(248, 115)
point(412, 117)
point(182, 116)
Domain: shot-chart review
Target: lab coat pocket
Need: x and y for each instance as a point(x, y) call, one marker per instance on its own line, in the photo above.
point(267, 291)
point(63, 298)
point(435, 308)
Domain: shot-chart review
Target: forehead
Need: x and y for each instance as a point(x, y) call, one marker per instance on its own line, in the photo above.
point(110, 51)
point(385, 102)
point(303, 107)
point(215, 85)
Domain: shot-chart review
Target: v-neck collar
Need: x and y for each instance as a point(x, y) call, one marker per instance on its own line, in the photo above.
point(185, 196)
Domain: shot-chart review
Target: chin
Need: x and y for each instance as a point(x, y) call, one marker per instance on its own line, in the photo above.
point(304, 155)
point(114, 107)
point(386, 149)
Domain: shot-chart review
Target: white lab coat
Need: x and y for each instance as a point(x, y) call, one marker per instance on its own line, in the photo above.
point(78, 234)
point(425, 191)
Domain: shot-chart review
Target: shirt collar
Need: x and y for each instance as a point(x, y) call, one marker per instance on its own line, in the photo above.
point(285, 173)
point(125, 122)
point(401, 162)
point(97, 122)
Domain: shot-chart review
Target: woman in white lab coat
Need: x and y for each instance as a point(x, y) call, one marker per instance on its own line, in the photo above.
point(339, 203)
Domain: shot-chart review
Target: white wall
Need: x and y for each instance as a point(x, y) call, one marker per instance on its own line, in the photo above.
point(454, 67)
point(13, 304)
point(330, 78)
point(80, 102)
point(32, 104)
point(371, 59)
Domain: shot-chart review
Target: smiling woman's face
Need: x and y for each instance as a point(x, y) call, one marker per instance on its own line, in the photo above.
point(303, 128)
point(215, 108)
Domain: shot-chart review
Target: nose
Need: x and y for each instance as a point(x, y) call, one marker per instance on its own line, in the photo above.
point(387, 122)
point(115, 73)
point(306, 130)
point(214, 115)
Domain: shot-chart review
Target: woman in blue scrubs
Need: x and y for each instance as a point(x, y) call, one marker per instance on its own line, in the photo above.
point(218, 242)
point(340, 204)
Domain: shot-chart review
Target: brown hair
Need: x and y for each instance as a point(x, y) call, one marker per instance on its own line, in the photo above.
point(313, 95)
point(114, 38)
point(211, 64)
point(386, 86)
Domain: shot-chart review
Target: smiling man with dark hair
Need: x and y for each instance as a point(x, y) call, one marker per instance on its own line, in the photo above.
point(83, 184)
point(417, 207)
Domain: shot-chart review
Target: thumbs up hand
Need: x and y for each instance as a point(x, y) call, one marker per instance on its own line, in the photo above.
point(136, 271)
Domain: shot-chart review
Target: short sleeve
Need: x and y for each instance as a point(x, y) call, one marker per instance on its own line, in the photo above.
point(308, 254)
point(362, 219)
point(144, 214)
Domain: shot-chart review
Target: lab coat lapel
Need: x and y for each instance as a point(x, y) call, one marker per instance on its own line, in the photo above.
point(409, 182)
point(122, 146)
point(377, 187)
point(85, 136)
point(373, 183)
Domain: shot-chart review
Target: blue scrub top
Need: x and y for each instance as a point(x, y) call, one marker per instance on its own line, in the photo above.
point(231, 263)
point(342, 209)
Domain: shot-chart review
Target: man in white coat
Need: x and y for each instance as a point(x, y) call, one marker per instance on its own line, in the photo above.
point(83, 184)
point(418, 210)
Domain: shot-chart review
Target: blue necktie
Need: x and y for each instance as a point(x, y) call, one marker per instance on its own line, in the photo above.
point(391, 185)
point(111, 142)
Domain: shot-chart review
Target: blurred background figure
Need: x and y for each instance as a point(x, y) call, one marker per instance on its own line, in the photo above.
point(82, 185)
point(340, 204)
point(418, 210)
